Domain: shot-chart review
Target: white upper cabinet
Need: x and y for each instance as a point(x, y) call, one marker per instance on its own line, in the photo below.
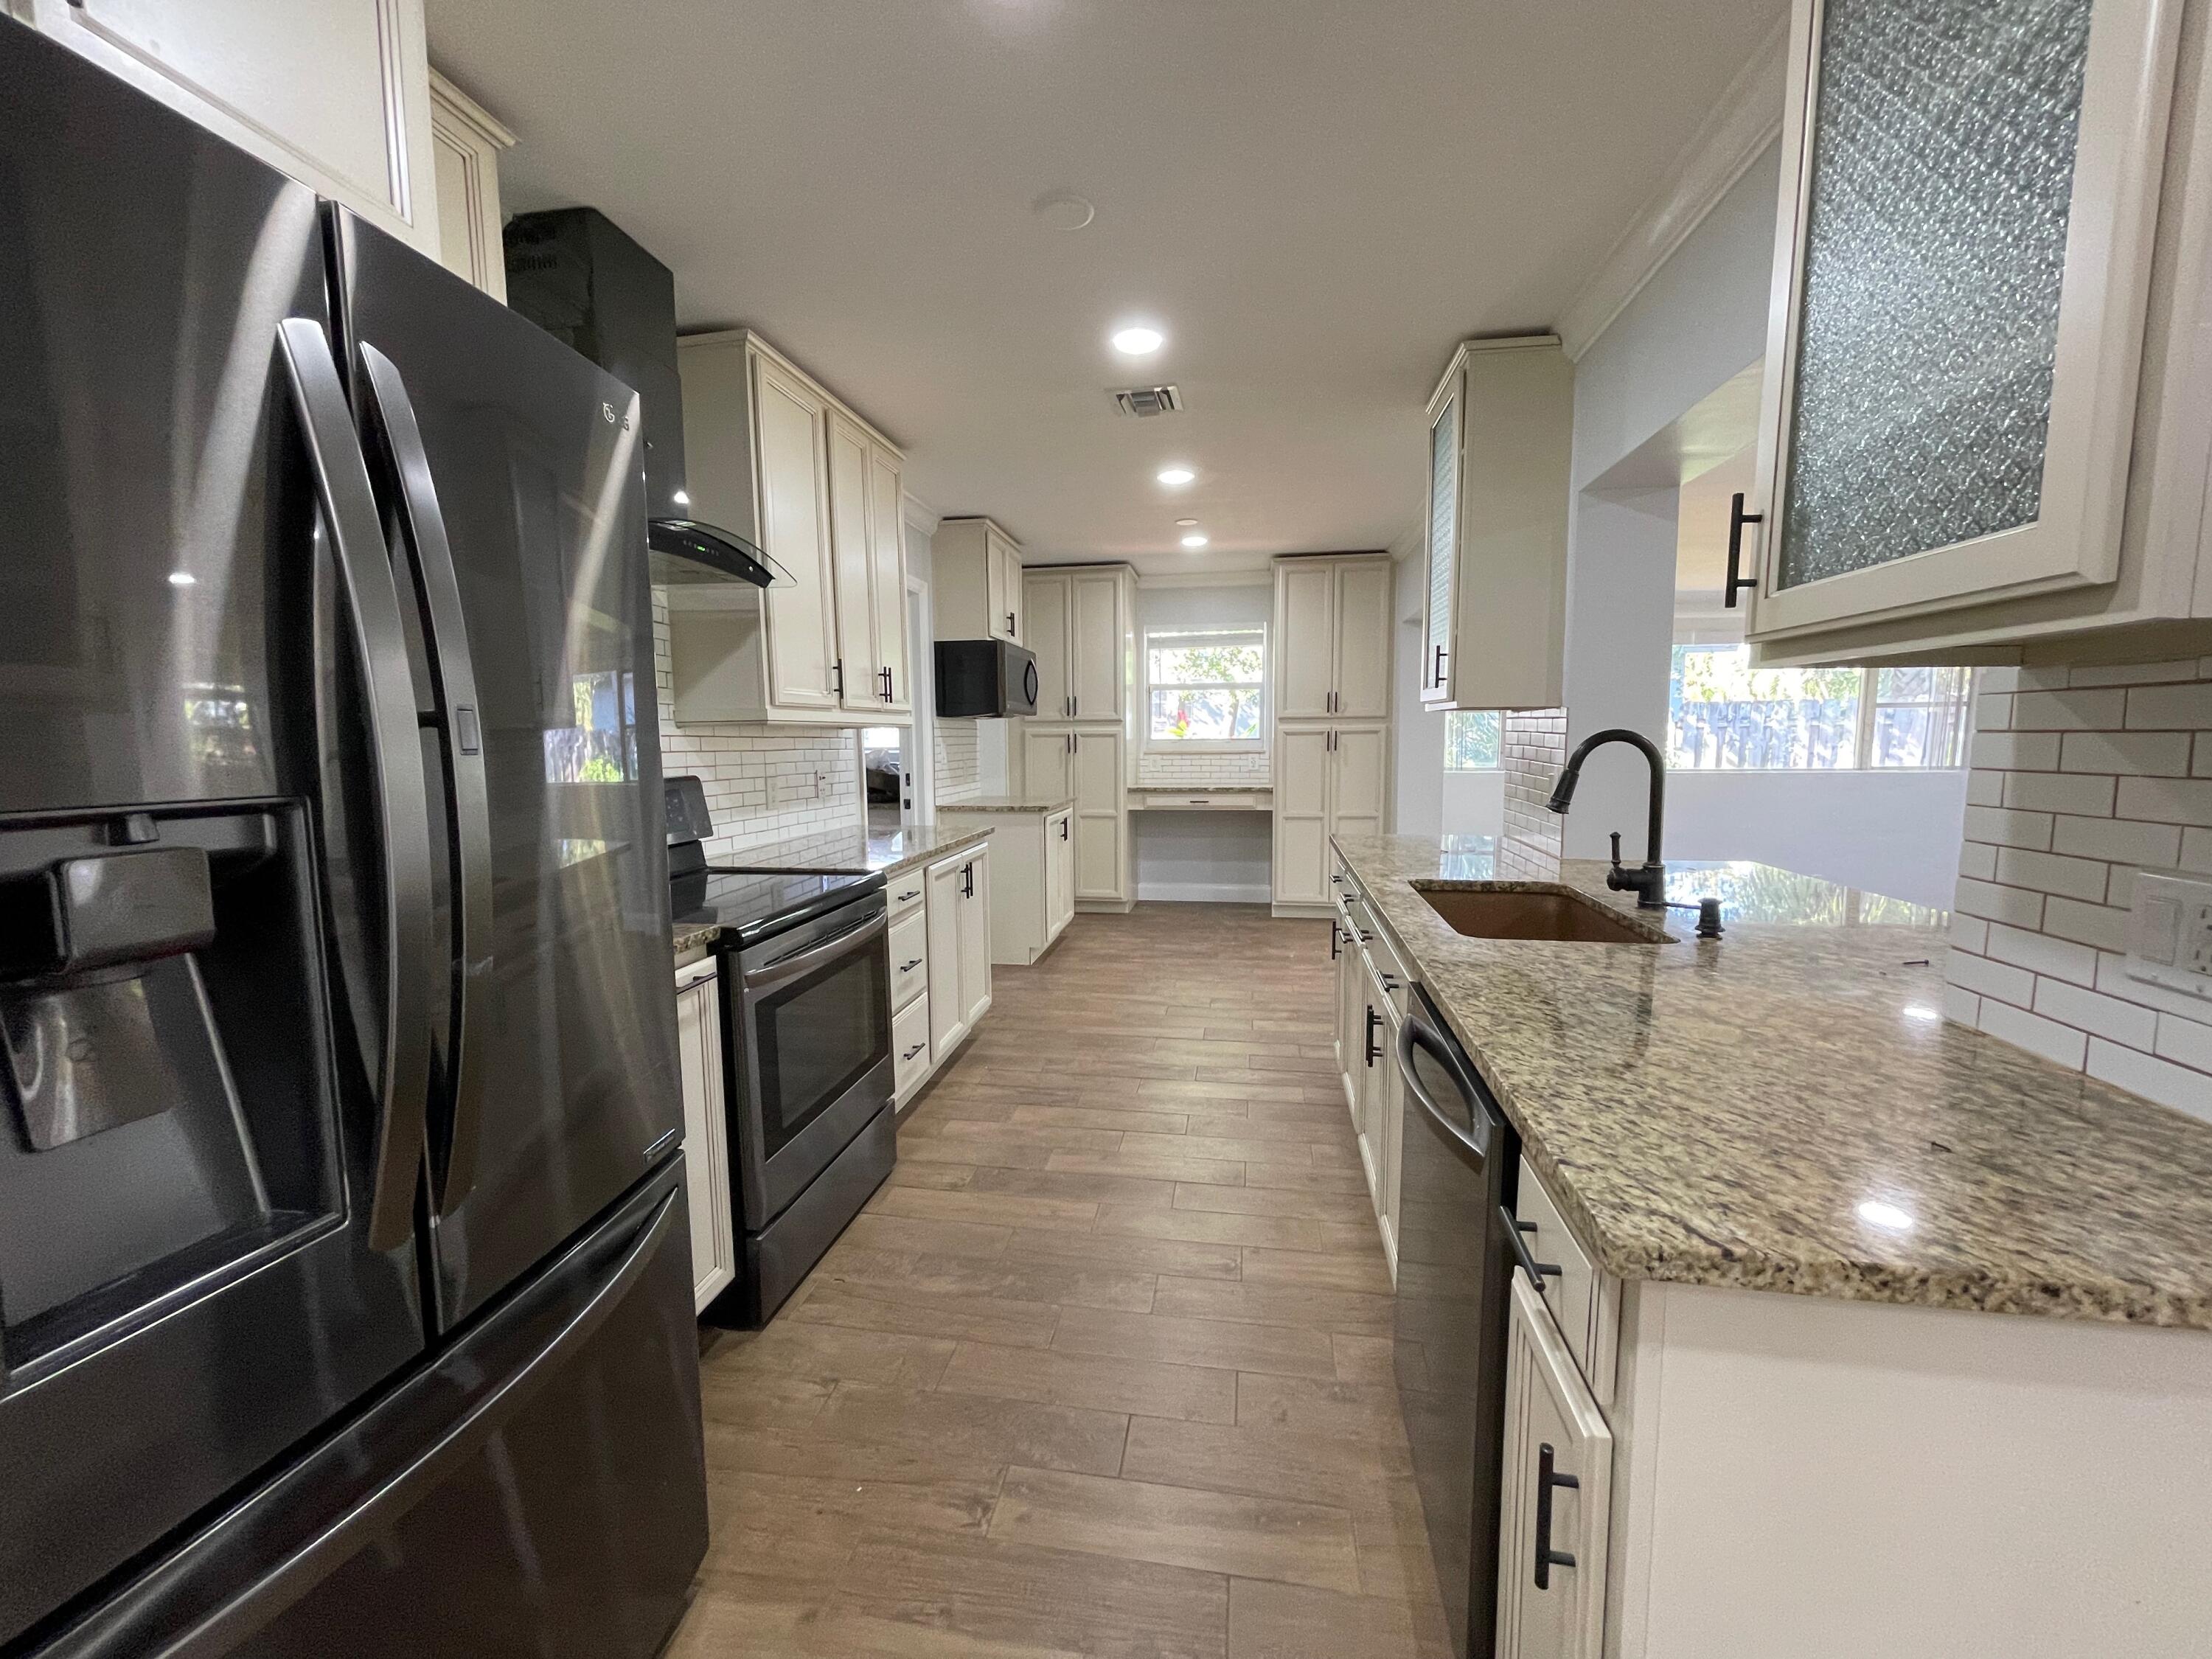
point(465, 141)
point(1331, 653)
point(976, 583)
point(775, 457)
point(1077, 621)
point(1500, 437)
point(1988, 286)
point(337, 94)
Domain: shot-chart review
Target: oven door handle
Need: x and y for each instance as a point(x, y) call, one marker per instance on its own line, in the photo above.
point(798, 964)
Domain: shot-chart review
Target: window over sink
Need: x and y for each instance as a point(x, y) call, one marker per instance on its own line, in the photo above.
point(1725, 715)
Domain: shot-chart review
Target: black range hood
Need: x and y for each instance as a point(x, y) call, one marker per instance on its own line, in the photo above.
point(575, 274)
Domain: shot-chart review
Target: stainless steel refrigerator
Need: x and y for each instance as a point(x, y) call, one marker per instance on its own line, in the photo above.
point(344, 1279)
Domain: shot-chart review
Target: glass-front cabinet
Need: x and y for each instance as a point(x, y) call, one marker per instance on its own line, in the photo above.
point(1970, 193)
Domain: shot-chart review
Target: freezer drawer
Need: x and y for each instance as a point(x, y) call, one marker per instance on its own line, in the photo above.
point(539, 1490)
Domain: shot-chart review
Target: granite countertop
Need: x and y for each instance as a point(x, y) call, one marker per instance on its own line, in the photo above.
point(857, 852)
point(1007, 804)
point(1785, 1108)
point(851, 852)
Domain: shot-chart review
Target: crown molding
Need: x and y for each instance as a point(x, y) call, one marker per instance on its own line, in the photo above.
point(1746, 120)
point(919, 515)
point(1247, 578)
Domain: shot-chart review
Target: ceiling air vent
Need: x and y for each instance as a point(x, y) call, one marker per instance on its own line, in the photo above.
point(1143, 400)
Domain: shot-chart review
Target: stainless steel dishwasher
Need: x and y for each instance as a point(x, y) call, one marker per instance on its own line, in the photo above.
point(1454, 1272)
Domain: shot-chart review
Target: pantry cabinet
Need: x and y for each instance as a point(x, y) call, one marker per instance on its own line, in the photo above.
point(975, 582)
point(706, 1131)
point(337, 94)
point(1330, 780)
point(1078, 622)
point(775, 457)
point(1985, 426)
point(958, 900)
point(466, 139)
point(1500, 438)
point(1331, 656)
point(1088, 765)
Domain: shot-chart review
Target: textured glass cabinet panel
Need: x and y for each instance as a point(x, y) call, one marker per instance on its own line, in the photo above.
point(1943, 144)
point(1443, 532)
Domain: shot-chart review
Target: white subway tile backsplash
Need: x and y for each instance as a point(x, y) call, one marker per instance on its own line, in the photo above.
point(2178, 1086)
point(2139, 754)
point(2097, 771)
point(2062, 1044)
point(2015, 906)
point(2070, 710)
point(2041, 954)
point(2049, 872)
point(2059, 792)
point(2165, 801)
point(2002, 827)
point(1988, 979)
point(2168, 708)
point(2120, 839)
point(2099, 1015)
point(2016, 752)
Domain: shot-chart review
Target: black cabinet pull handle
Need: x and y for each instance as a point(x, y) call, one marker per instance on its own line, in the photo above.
point(1547, 1480)
point(838, 669)
point(1010, 622)
point(916, 1050)
point(1335, 940)
point(908, 967)
point(1374, 1019)
point(910, 893)
point(1521, 1254)
point(1737, 518)
point(1441, 654)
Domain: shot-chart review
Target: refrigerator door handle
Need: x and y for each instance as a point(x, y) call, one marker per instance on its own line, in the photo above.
point(402, 1069)
point(453, 675)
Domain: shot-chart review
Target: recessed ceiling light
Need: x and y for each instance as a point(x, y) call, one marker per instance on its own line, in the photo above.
point(1063, 210)
point(1138, 341)
point(1875, 1214)
point(1186, 524)
point(1193, 539)
point(1176, 475)
point(182, 578)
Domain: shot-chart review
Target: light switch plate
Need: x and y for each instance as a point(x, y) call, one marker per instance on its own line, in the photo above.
point(2170, 931)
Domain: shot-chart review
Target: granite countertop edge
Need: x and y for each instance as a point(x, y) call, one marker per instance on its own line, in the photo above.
point(1638, 1238)
point(984, 804)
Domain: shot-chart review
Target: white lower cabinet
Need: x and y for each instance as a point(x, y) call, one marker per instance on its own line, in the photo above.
point(1556, 1506)
point(1330, 781)
point(1034, 874)
point(1088, 764)
point(706, 1131)
point(958, 905)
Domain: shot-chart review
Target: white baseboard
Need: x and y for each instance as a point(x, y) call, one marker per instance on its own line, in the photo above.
point(1204, 892)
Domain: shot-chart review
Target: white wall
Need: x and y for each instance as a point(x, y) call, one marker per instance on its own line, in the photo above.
point(1417, 734)
point(1474, 803)
point(1699, 322)
point(1895, 833)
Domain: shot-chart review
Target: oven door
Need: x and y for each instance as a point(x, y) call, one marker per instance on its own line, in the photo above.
point(809, 1016)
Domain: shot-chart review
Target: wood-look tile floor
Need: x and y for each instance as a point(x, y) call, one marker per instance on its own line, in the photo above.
point(1105, 1369)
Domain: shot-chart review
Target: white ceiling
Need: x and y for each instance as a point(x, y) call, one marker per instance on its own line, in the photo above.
point(1314, 198)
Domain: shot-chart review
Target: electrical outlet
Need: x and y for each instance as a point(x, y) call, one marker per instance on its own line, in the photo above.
point(2170, 931)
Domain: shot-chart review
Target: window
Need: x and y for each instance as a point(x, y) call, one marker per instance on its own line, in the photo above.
point(1471, 738)
point(1204, 686)
point(1725, 715)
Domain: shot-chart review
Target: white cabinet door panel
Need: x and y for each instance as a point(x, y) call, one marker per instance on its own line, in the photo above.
point(1547, 1607)
point(1101, 822)
point(1094, 629)
point(1358, 766)
point(1304, 644)
point(1363, 603)
point(706, 1139)
point(887, 558)
point(975, 937)
point(852, 561)
point(794, 510)
point(1302, 769)
point(1044, 595)
point(946, 1023)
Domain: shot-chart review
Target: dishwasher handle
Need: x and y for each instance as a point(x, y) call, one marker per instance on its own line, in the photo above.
point(1416, 1033)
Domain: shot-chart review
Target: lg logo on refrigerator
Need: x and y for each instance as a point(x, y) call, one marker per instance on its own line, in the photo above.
point(607, 413)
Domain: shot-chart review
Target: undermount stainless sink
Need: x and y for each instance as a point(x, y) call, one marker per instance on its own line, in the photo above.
point(1562, 917)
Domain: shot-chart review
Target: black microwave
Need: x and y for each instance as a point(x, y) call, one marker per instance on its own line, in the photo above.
point(984, 679)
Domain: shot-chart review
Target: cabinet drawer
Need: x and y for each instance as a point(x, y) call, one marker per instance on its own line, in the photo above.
point(1556, 1506)
point(1583, 1300)
point(911, 1048)
point(903, 893)
point(909, 948)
